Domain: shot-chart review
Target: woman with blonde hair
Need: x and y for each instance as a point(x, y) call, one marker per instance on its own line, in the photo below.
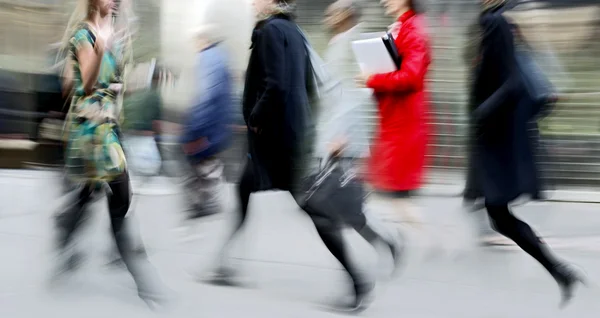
point(94, 156)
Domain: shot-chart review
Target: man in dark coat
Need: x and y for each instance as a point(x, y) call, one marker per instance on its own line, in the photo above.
point(502, 118)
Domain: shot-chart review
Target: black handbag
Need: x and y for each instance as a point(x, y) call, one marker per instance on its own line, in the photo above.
point(335, 193)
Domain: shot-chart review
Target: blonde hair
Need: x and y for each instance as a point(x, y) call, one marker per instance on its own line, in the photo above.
point(123, 26)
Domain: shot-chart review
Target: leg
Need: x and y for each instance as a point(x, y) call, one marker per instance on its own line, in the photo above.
point(210, 173)
point(136, 262)
point(375, 232)
point(69, 221)
point(245, 189)
point(331, 234)
point(67, 224)
point(522, 234)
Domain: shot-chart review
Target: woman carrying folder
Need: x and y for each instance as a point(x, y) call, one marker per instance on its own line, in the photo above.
point(398, 153)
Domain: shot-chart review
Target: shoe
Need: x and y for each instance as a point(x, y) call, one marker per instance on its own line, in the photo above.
point(154, 300)
point(225, 276)
point(567, 280)
point(64, 265)
point(397, 249)
point(363, 297)
point(495, 240)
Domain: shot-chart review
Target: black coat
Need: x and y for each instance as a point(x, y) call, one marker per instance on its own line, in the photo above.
point(503, 147)
point(276, 103)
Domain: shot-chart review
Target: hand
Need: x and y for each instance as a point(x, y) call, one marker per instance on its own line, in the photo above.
point(256, 130)
point(337, 147)
point(196, 146)
point(104, 37)
point(361, 80)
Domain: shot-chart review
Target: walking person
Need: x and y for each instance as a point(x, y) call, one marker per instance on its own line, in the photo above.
point(397, 162)
point(276, 110)
point(207, 129)
point(472, 196)
point(342, 127)
point(502, 116)
point(95, 160)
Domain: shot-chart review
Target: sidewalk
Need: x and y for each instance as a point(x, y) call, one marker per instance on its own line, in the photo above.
point(289, 270)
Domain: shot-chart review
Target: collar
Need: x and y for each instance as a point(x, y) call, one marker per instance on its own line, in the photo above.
point(406, 15)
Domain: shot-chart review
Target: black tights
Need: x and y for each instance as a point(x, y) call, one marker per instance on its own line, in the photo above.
point(328, 228)
point(119, 200)
point(522, 234)
point(118, 204)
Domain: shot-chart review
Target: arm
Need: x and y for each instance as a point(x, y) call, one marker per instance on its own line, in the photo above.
point(89, 54)
point(497, 59)
point(411, 75)
point(271, 46)
point(67, 78)
point(206, 79)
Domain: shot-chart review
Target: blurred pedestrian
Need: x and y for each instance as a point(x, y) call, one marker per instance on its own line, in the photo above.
point(472, 195)
point(95, 158)
point(277, 113)
point(342, 125)
point(397, 160)
point(502, 115)
point(207, 130)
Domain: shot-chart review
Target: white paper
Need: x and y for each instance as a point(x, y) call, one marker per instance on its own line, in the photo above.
point(373, 57)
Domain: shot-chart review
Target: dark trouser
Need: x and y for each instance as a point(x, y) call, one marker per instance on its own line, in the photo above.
point(522, 234)
point(119, 199)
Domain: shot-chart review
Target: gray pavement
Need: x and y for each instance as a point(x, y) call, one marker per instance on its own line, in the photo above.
point(290, 273)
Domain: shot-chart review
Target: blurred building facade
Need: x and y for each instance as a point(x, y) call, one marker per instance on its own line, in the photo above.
point(570, 27)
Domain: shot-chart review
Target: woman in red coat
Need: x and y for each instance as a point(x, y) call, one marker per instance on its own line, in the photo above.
point(398, 152)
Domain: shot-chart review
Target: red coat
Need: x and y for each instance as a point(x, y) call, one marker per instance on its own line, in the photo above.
point(398, 153)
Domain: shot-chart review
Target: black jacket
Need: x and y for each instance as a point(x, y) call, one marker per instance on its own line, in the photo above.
point(276, 103)
point(504, 155)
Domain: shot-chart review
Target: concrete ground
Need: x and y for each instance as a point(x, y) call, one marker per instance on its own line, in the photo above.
point(289, 272)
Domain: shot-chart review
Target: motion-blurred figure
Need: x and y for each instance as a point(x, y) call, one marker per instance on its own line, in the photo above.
point(277, 113)
point(94, 157)
point(342, 131)
point(397, 161)
point(472, 196)
point(502, 140)
point(207, 127)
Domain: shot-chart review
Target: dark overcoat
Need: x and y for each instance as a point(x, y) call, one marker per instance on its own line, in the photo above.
point(503, 113)
point(276, 104)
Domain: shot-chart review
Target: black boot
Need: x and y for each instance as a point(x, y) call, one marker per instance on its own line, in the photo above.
point(363, 296)
point(567, 279)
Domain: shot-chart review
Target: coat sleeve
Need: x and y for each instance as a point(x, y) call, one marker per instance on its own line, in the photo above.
point(498, 60)
point(271, 46)
point(206, 81)
point(411, 75)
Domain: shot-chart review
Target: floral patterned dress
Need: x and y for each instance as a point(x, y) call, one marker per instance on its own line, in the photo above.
point(94, 153)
